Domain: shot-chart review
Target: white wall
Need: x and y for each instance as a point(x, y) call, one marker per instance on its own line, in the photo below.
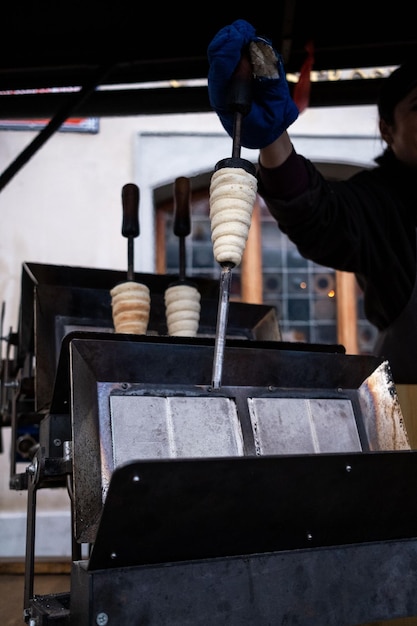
point(64, 208)
point(64, 205)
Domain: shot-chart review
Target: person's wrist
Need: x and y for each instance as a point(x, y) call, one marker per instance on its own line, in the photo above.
point(276, 153)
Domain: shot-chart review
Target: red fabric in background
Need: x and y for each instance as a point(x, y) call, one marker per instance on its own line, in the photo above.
point(301, 93)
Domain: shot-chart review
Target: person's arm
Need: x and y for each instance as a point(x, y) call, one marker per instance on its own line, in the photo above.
point(282, 173)
point(277, 152)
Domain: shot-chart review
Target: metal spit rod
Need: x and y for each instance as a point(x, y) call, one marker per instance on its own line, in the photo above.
point(240, 104)
point(222, 316)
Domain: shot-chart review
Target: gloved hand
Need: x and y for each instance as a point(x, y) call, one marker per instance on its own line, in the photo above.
point(273, 110)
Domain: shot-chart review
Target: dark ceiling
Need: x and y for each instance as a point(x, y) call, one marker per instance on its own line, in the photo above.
point(93, 44)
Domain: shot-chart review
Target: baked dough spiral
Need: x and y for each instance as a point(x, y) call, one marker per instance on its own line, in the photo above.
point(232, 198)
point(131, 303)
point(182, 307)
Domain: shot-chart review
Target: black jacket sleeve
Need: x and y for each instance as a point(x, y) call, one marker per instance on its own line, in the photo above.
point(361, 225)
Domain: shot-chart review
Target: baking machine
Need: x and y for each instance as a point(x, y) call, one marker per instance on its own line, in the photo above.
point(285, 496)
point(227, 478)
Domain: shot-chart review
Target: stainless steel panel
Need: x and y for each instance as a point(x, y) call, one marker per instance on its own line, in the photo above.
point(145, 427)
point(303, 426)
point(381, 411)
point(342, 399)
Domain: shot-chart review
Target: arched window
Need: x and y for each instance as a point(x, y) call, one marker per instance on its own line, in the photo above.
point(313, 303)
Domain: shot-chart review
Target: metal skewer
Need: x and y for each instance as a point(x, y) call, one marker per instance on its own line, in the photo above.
point(241, 102)
point(222, 316)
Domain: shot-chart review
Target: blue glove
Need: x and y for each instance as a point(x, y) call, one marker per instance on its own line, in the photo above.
point(272, 111)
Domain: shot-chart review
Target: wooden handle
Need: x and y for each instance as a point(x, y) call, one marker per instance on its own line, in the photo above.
point(130, 204)
point(241, 86)
point(182, 195)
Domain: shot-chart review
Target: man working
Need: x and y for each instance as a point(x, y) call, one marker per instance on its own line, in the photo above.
point(365, 225)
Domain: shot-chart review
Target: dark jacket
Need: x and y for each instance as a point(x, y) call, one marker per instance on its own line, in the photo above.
point(365, 225)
